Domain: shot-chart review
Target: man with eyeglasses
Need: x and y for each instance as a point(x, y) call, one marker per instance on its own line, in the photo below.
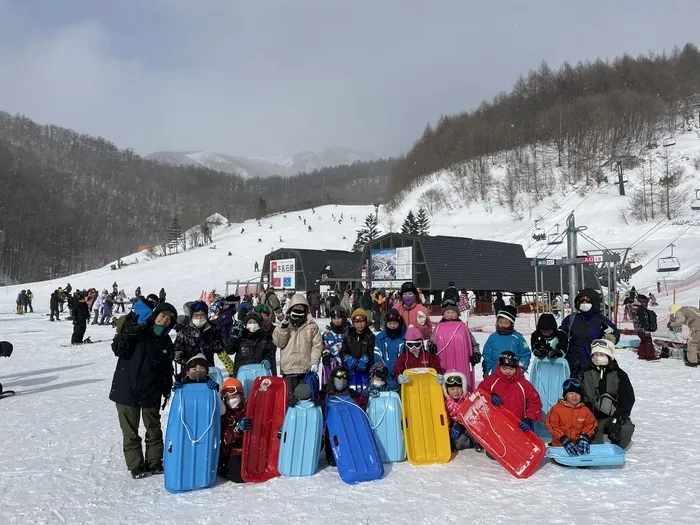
point(583, 326)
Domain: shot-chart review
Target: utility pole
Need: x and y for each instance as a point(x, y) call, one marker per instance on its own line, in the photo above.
point(572, 253)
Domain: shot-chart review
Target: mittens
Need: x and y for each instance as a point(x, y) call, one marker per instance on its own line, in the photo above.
point(568, 445)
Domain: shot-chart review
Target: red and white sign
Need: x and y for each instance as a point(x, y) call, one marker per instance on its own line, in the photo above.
point(283, 273)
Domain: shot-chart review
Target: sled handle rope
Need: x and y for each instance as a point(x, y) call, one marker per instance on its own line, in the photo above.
point(182, 420)
point(488, 418)
point(386, 409)
point(448, 342)
point(338, 399)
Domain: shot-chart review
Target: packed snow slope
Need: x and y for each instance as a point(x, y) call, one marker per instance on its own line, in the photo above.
point(61, 460)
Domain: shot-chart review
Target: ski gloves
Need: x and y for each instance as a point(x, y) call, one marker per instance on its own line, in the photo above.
point(243, 425)
point(266, 364)
point(403, 379)
point(615, 431)
point(525, 424)
point(314, 369)
point(373, 392)
point(475, 359)
point(581, 448)
point(237, 331)
point(496, 400)
point(362, 363)
point(349, 362)
point(569, 446)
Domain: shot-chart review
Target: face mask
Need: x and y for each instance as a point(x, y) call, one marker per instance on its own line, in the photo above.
point(158, 330)
point(233, 402)
point(199, 322)
point(409, 300)
point(197, 376)
point(377, 383)
point(297, 318)
point(504, 331)
point(600, 359)
point(585, 307)
point(253, 327)
point(340, 384)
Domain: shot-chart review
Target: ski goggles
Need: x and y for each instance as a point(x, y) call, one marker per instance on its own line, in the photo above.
point(508, 361)
point(359, 319)
point(573, 382)
point(414, 344)
point(199, 306)
point(448, 302)
point(341, 374)
point(233, 391)
point(262, 309)
point(453, 381)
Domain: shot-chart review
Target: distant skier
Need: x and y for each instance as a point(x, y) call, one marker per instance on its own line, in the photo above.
point(53, 305)
point(257, 267)
point(30, 298)
point(242, 230)
point(115, 288)
point(310, 228)
point(161, 295)
point(81, 316)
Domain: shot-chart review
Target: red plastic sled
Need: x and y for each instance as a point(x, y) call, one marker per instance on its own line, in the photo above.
point(496, 429)
point(266, 406)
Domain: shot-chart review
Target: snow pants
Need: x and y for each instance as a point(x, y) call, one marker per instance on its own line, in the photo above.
point(96, 318)
point(129, 418)
point(54, 313)
point(293, 380)
point(31, 308)
point(646, 347)
point(230, 468)
point(78, 332)
point(315, 311)
point(693, 347)
point(604, 428)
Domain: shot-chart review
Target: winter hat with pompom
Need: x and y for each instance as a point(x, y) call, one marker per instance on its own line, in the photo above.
point(413, 334)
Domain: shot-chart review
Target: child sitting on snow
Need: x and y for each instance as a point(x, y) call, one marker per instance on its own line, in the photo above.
point(548, 340)
point(505, 339)
point(233, 425)
point(509, 388)
point(453, 390)
point(380, 380)
point(570, 422)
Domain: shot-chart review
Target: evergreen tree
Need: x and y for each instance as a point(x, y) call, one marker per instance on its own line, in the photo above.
point(174, 234)
point(422, 222)
point(262, 207)
point(410, 225)
point(367, 233)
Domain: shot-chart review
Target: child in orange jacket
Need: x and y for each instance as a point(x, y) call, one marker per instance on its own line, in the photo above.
point(570, 422)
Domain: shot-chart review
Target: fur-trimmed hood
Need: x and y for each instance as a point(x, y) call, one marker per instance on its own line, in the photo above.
point(453, 373)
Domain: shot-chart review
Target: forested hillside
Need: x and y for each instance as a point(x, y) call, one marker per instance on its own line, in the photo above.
point(71, 202)
point(590, 115)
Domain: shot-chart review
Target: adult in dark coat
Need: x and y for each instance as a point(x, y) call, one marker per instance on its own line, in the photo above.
point(451, 293)
point(499, 304)
point(582, 327)
point(143, 376)
point(53, 305)
point(81, 316)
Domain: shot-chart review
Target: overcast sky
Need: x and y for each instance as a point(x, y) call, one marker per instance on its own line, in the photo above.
point(272, 77)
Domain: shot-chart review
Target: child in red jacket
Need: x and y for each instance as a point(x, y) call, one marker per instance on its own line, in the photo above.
point(508, 387)
point(415, 356)
point(233, 424)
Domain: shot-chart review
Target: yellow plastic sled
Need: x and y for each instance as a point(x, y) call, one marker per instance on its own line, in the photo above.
point(425, 422)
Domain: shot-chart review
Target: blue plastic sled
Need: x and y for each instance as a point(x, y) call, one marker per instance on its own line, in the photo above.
point(192, 439)
point(301, 440)
point(548, 376)
point(352, 440)
point(216, 375)
point(247, 374)
point(311, 379)
point(384, 414)
point(606, 455)
point(359, 382)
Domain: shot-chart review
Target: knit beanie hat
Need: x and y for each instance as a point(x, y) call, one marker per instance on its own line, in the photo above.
point(573, 385)
point(509, 313)
point(449, 305)
point(413, 334)
point(198, 359)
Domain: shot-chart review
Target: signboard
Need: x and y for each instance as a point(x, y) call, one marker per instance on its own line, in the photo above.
point(391, 264)
point(387, 285)
point(592, 259)
point(283, 273)
point(546, 262)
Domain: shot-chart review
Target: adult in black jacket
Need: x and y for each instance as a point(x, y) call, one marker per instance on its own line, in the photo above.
point(547, 340)
point(53, 305)
point(253, 345)
point(144, 375)
point(451, 293)
point(499, 304)
point(608, 393)
point(81, 316)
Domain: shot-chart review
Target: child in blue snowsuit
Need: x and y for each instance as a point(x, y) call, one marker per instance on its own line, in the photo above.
point(380, 380)
point(505, 339)
point(335, 334)
point(391, 341)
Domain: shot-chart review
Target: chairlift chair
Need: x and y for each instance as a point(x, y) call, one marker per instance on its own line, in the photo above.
point(695, 205)
point(539, 233)
point(669, 141)
point(555, 239)
point(668, 264)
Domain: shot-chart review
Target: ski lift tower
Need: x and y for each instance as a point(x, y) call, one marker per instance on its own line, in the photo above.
point(618, 160)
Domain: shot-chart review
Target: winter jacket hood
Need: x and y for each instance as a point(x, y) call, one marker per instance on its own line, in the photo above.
point(296, 300)
point(454, 373)
point(593, 296)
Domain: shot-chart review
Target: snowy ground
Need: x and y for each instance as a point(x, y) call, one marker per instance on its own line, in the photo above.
point(61, 459)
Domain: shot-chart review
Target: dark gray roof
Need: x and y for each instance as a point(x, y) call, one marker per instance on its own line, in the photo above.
point(476, 264)
point(346, 268)
point(552, 280)
point(310, 263)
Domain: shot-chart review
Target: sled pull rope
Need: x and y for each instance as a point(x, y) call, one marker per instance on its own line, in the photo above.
point(189, 434)
point(337, 399)
point(448, 342)
point(386, 409)
point(488, 418)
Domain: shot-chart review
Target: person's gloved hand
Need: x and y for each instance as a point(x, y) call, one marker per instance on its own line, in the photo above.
point(314, 369)
point(421, 318)
point(213, 385)
point(176, 385)
point(525, 424)
point(583, 445)
point(540, 351)
point(555, 353)
point(237, 331)
point(362, 363)
point(440, 379)
point(266, 364)
point(373, 392)
point(349, 362)
point(403, 379)
point(475, 359)
point(615, 429)
point(179, 356)
point(326, 357)
point(244, 424)
point(668, 325)
point(285, 322)
point(455, 432)
point(568, 445)
point(496, 400)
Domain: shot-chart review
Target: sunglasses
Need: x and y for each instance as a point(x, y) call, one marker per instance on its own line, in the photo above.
point(572, 382)
point(359, 319)
point(414, 344)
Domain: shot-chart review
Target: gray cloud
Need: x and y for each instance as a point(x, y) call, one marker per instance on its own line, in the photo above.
point(275, 77)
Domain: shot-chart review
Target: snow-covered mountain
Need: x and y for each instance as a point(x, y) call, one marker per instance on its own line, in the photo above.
point(249, 166)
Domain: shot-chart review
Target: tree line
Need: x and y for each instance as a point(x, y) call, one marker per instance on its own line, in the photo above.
point(72, 202)
point(579, 119)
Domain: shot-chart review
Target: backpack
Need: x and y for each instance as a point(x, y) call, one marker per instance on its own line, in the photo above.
point(653, 326)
